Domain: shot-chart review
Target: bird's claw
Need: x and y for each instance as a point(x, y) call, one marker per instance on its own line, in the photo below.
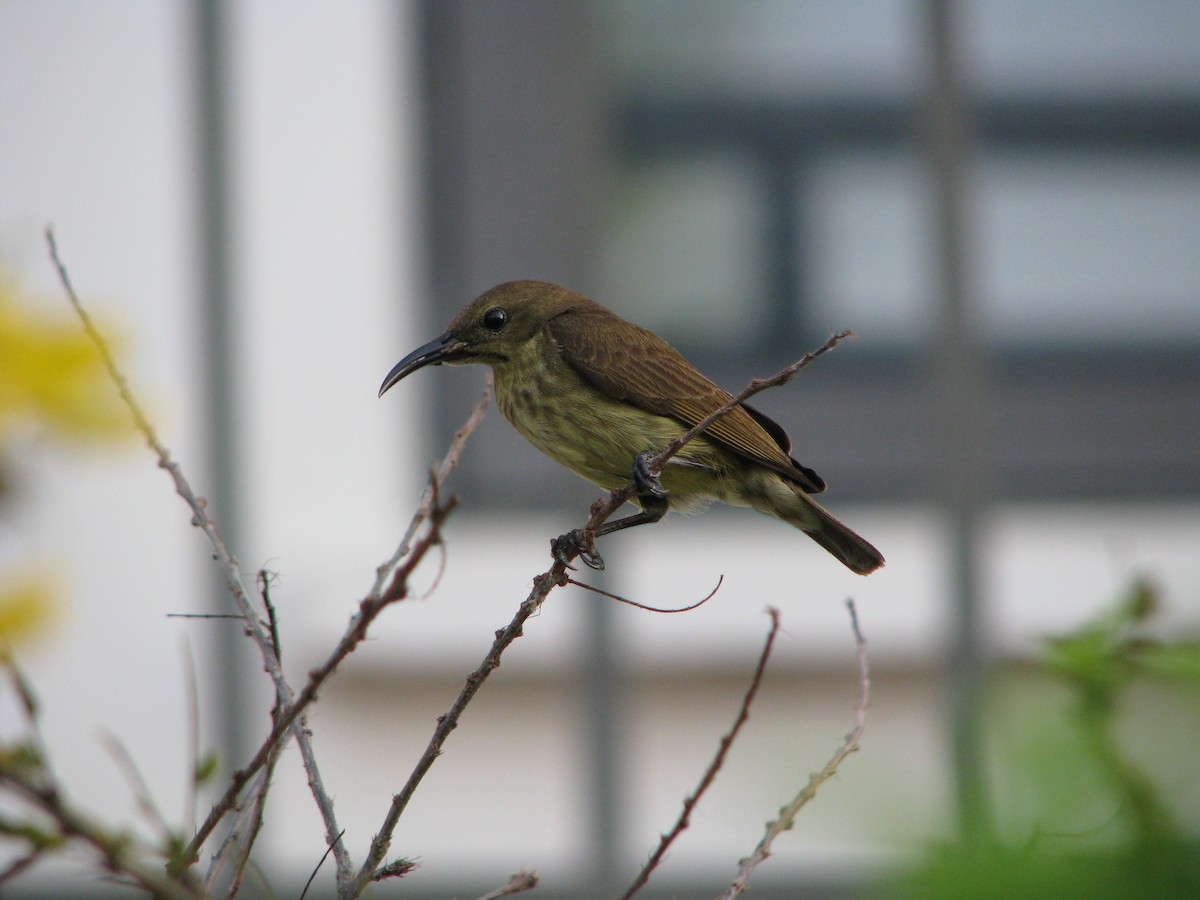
point(575, 543)
point(645, 479)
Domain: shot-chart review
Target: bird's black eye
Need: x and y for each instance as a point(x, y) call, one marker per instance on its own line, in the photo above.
point(495, 319)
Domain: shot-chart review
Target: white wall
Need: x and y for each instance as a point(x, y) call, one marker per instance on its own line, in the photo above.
point(95, 137)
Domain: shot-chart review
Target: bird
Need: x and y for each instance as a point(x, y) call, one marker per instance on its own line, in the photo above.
point(598, 394)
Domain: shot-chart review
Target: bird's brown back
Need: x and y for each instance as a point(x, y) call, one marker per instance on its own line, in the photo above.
point(629, 363)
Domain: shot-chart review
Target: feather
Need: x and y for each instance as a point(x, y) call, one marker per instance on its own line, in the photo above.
point(629, 363)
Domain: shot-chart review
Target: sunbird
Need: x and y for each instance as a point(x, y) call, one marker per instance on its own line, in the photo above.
point(599, 394)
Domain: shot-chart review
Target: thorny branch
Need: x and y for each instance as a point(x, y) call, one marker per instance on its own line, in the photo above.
point(787, 815)
point(369, 610)
point(448, 465)
point(390, 585)
point(244, 843)
point(447, 722)
point(233, 578)
point(710, 774)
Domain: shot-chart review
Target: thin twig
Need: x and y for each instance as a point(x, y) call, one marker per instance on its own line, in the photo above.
point(710, 774)
point(228, 564)
point(390, 585)
point(316, 786)
point(448, 464)
point(447, 722)
point(137, 783)
point(520, 882)
point(116, 850)
point(110, 364)
point(233, 854)
point(783, 376)
point(787, 815)
point(646, 606)
point(29, 710)
point(21, 863)
point(264, 591)
point(317, 868)
point(32, 780)
point(192, 692)
point(258, 792)
point(369, 610)
point(290, 705)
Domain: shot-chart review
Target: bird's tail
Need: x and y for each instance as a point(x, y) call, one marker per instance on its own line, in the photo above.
point(792, 505)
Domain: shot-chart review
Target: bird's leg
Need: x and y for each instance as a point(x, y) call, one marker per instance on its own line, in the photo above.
point(574, 543)
point(651, 496)
point(646, 480)
point(652, 511)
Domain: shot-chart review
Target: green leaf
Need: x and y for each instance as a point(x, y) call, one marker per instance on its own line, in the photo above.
point(206, 767)
point(1179, 660)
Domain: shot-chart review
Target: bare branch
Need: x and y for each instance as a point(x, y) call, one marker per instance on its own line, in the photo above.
point(447, 722)
point(137, 783)
point(710, 774)
point(369, 610)
point(264, 590)
point(118, 852)
point(787, 815)
point(27, 775)
point(289, 705)
point(197, 504)
point(228, 564)
point(21, 863)
point(390, 586)
point(448, 464)
point(258, 792)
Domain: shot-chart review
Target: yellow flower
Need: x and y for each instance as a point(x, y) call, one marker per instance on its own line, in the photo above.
point(52, 375)
point(53, 380)
point(27, 607)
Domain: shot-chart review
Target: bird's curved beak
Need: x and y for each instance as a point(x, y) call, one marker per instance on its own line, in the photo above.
point(439, 350)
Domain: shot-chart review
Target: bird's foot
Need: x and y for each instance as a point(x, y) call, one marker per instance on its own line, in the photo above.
point(645, 479)
point(574, 543)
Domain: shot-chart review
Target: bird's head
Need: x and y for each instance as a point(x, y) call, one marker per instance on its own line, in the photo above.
point(491, 329)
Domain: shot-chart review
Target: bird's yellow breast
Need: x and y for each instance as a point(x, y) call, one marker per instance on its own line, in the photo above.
point(596, 436)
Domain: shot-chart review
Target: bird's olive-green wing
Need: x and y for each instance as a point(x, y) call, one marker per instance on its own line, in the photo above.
point(629, 363)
